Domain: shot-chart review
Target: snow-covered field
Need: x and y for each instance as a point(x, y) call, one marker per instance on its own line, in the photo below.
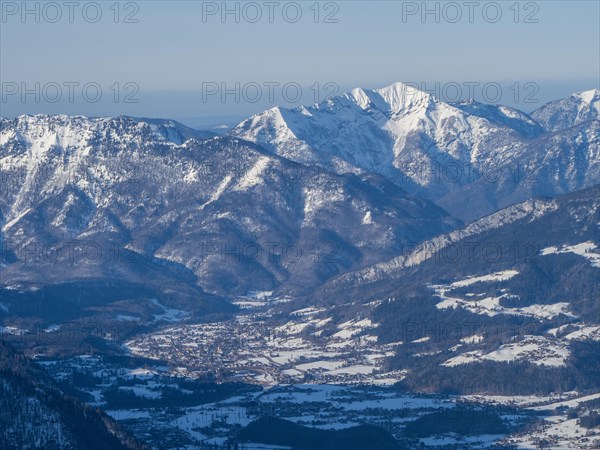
point(491, 305)
point(327, 406)
point(588, 250)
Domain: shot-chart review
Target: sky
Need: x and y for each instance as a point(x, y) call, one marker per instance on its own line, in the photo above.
point(210, 62)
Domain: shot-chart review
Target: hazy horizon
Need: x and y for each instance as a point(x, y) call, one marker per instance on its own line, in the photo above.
point(163, 55)
point(186, 115)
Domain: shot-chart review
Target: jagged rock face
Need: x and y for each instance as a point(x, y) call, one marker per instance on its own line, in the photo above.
point(443, 151)
point(233, 215)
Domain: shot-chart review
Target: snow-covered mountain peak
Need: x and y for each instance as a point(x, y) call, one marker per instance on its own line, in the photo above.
point(392, 99)
point(400, 96)
point(388, 131)
point(359, 96)
point(590, 97)
point(569, 111)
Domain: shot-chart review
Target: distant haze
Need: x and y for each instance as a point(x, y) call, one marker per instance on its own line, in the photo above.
point(178, 50)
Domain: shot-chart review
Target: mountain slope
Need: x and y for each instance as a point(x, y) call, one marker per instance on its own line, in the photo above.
point(221, 213)
point(551, 165)
point(35, 413)
point(526, 227)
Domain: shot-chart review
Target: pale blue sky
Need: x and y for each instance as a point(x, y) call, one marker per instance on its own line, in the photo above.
point(171, 52)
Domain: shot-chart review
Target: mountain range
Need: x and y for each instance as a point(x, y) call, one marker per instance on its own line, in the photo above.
point(287, 201)
point(486, 156)
point(135, 205)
